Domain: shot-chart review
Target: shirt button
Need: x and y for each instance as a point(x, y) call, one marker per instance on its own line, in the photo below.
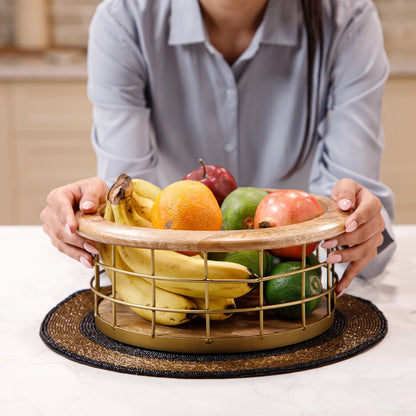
point(230, 92)
point(229, 147)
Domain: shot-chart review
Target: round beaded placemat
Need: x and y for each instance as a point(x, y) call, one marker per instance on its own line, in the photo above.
point(69, 329)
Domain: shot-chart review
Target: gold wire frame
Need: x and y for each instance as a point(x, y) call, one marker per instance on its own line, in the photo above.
point(252, 326)
point(171, 339)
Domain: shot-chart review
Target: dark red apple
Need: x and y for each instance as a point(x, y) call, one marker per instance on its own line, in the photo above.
point(286, 207)
point(217, 178)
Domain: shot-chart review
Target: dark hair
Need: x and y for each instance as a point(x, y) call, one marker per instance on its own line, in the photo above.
point(312, 16)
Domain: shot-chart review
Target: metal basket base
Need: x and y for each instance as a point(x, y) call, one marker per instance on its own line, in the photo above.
point(239, 333)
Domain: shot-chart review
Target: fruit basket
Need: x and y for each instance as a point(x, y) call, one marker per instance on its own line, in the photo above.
point(253, 325)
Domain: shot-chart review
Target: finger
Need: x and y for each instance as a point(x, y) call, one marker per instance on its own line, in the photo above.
point(366, 231)
point(367, 249)
point(73, 251)
point(358, 257)
point(61, 202)
point(67, 199)
point(53, 227)
point(344, 194)
point(368, 206)
point(93, 193)
point(90, 194)
point(351, 272)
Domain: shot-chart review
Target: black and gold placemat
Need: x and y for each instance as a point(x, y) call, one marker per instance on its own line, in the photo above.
point(69, 329)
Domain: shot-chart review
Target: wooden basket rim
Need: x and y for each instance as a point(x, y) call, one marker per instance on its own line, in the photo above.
point(94, 227)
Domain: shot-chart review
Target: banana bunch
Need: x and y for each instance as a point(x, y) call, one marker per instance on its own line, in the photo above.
point(129, 202)
point(133, 289)
point(215, 305)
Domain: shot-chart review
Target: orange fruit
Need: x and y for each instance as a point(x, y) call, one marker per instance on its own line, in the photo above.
point(186, 205)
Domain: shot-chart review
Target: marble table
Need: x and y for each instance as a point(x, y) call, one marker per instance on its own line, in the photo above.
point(37, 381)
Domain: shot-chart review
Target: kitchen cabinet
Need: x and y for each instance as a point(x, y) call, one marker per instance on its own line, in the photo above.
point(5, 163)
point(45, 139)
point(398, 169)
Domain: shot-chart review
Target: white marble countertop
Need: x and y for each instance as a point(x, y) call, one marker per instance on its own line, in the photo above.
point(37, 381)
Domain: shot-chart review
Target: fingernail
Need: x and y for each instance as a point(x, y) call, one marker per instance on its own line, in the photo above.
point(90, 248)
point(351, 227)
point(84, 261)
point(345, 204)
point(87, 205)
point(330, 243)
point(334, 258)
point(341, 292)
point(67, 229)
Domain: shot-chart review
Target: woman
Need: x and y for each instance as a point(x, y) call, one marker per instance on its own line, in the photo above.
point(283, 93)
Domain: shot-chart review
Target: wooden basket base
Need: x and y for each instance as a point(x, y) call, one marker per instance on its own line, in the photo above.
point(239, 333)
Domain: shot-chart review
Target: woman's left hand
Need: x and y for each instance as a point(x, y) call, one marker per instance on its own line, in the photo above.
point(363, 229)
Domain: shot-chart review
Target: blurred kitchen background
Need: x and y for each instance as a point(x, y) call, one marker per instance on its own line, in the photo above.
point(45, 116)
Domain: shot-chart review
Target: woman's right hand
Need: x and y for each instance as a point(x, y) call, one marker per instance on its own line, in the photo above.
point(59, 219)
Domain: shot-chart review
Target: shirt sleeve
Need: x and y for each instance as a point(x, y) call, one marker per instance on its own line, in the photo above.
point(351, 141)
point(122, 133)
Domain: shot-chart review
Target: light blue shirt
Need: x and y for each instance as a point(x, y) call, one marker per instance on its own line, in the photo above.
point(163, 97)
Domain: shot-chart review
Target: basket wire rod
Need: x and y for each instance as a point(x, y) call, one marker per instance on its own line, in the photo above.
point(114, 285)
point(152, 271)
point(334, 282)
point(207, 315)
point(96, 283)
point(328, 284)
point(182, 279)
point(303, 304)
point(237, 310)
point(261, 311)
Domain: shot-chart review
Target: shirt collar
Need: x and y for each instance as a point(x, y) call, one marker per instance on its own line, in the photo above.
point(282, 22)
point(280, 25)
point(186, 25)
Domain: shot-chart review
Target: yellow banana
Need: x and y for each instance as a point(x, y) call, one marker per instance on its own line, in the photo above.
point(108, 212)
point(136, 198)
point(144, 193)
point(215, 305)
point(170, 264)
point(127, 213)
point(145, 189)
point(143, 206)
point(133, 289)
